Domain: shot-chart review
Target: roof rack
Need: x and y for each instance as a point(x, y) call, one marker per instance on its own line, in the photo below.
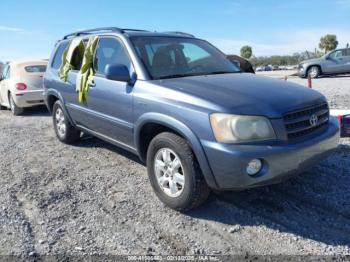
point(103, 29)
point(180, 33)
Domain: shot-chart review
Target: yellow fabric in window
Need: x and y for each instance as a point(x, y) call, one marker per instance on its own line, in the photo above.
point(76, 45)
point(86, 73)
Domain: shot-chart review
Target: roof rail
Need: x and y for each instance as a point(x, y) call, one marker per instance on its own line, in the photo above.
point(110, 29)
point(88, 31)
point(180, 33)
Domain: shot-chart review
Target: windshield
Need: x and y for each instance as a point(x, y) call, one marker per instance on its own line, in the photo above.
point(170, 57)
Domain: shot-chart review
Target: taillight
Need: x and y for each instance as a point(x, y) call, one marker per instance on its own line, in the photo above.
point(21, 86)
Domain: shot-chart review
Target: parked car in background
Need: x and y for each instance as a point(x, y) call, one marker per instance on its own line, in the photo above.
point(282, 67)
point(335, 62)
point(188, 112)
point(22, 85)
point(259, 68)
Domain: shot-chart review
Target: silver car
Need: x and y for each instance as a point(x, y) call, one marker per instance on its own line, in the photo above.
point(335, 62)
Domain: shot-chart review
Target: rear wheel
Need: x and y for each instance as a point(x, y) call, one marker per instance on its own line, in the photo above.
point(65, 132)
point(314, 72)
point(174, 173)
point(14, 108)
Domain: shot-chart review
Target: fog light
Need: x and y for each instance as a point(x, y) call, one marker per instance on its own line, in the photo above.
point(254, 167)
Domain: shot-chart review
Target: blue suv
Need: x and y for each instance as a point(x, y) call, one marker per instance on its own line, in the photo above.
point(189, 113)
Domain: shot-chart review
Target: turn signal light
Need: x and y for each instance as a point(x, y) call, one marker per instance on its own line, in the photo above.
point(21, 86)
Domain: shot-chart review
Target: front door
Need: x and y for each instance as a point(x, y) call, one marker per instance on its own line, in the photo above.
point(109, 103)
point(336, 62)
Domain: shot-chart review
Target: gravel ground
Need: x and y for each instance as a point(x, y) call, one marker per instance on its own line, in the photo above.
point(94, 198)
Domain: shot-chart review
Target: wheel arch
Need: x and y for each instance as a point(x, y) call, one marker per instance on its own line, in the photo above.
point(170, 124)
point(51, 97)
point(318, 65)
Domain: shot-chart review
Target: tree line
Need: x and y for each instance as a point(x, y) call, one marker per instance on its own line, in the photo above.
point(327, 43)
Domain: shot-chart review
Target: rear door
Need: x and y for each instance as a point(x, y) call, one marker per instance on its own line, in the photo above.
point(347, 60)
point(109, 103)
point(66, 89)
point(336, 62)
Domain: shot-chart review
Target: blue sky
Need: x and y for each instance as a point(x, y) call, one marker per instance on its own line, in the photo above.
point(29, 29)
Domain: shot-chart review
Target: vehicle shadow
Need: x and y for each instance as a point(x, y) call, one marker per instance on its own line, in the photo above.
point(88, 141)
point(36, 111)
point(334, 76)
point(314, 205)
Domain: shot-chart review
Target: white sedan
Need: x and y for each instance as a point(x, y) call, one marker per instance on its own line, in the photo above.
point(21, 85)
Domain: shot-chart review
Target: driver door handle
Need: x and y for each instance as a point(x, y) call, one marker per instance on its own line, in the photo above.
point(92, 84)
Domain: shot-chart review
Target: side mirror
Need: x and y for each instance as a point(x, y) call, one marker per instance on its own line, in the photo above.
point(117, 72)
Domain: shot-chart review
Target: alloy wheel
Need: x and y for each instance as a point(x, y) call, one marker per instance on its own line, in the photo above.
point(169, 172)
point(60, 122)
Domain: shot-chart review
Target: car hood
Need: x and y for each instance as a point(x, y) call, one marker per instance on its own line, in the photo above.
point(246, 94)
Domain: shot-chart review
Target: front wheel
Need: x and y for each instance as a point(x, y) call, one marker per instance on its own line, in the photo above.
point(65, 132)
point(314, 72)
point(174, 173)
point(16, 111)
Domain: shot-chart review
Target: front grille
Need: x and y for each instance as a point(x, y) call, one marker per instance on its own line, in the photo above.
point(298, 124)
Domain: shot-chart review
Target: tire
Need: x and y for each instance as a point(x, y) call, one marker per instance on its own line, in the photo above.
point(16, 111)
point(65, 132)
point(190, 189)
point(314, 72)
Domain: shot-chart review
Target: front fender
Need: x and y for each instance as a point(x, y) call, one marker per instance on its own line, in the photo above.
point(185, 131)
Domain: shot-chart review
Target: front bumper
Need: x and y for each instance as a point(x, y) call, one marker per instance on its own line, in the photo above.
point(228, 162)
point(29, 98)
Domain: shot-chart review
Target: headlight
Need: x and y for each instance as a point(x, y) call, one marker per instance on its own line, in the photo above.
point(237, 128)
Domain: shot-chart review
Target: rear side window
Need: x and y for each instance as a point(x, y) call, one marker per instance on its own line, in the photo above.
point(35, 69)
point(110, 51)
point(57, 60)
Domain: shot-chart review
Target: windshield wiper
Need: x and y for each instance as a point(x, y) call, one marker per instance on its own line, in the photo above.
point(177, 76)
point(197, 74)
point(222, 72)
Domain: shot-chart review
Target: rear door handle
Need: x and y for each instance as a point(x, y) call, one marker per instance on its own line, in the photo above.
point(92, 84)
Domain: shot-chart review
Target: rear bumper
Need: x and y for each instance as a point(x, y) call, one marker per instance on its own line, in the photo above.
point(229, 162)
point(29, 98)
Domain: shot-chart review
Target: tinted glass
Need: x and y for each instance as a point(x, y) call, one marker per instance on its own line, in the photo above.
point(35, 69)
point(168, 57)
point(336, 54)
point(57, 61)
point(110, 51)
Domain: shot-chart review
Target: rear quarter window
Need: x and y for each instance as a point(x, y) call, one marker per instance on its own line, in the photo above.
point(57, 60)
point(35, 69)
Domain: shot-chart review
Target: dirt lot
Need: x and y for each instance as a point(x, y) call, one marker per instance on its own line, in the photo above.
point(94, 198)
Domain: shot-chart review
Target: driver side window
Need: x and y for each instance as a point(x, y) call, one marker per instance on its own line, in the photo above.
point(336, 54)
point(110, 51)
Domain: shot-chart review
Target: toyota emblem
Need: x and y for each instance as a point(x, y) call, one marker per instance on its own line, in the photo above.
point(313, 120)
